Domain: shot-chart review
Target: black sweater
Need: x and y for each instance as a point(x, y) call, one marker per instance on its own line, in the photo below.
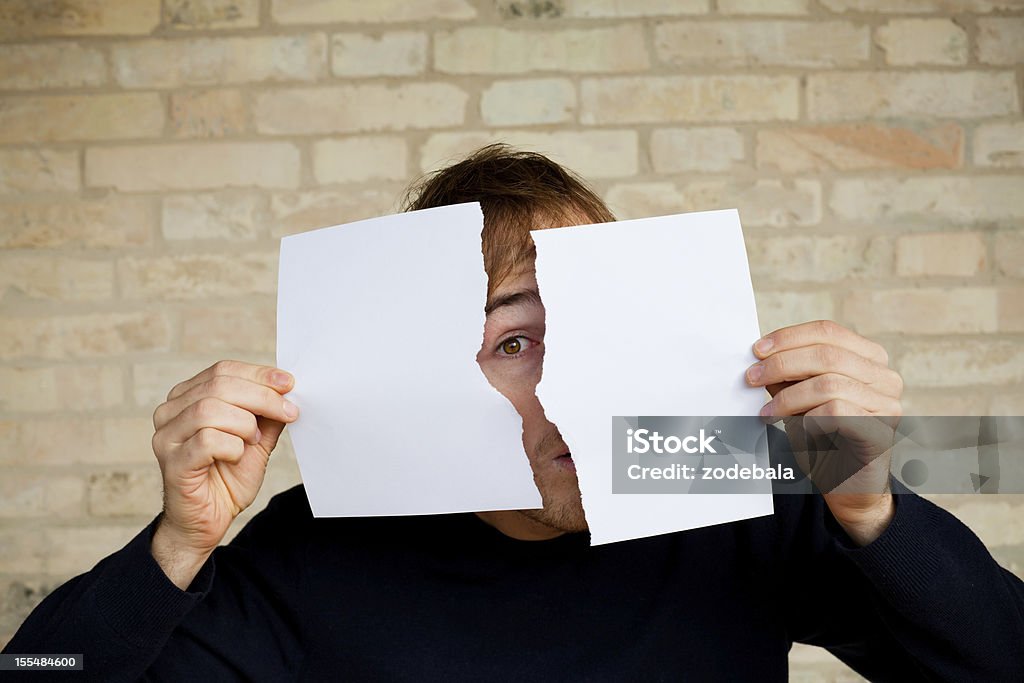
point(449, 598)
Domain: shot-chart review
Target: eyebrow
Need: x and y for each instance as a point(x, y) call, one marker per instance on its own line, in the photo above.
point(519, 298)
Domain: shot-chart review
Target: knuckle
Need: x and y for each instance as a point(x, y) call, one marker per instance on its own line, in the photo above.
point(223, 367)
point(205, 408)
point(157, 442)
point(206, 439)
point(827, 328)
point(175, 390)
point(833, 408)
point(218, 385)
point(828, 355)
point(830, 384)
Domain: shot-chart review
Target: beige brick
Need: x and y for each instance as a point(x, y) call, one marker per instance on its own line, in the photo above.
point(927, 200)
point(1001, 41)
point(402, 53)
point(762, 6)
point(593, 154)
point(695, 149)
point(328, 12)
point(151, 382)
point(601, 9)
point(762, 43)
point(1007, 404)
point(360, 159)
point(209, 14)
point(942, 402)
point(1009, 253)
point(220, 61)
point(907, 42)
point(55, 279)
point(193, 166)
point(111, 222)
point(81, 117)
point(245, 328)
point(217, 215)
point(84, 336)
point(22, 19)
point(856, 95)
point(483, 49)
point(962, 363)
point(38, 170)
point(655, 99)
point(197, 276)
point(920, 6)
point(1011, 309)
point(829, 258)
point(29, 494)
point(295, 212)
point(126, 492)
point(760, 203)
point(999, 144)
point(781, 309)
point(76, 388)
point(60, 65)
point(73, 440)
point(76, 549)
point(859, 146)
point(19, 596)
point(380, 107)
point(998, 522)
point(964, 310)
point(208, 114)
point(22, 551)
point(526, 102)
point(956, 254)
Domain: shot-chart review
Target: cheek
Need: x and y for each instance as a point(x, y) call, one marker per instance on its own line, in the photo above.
point(516, 380)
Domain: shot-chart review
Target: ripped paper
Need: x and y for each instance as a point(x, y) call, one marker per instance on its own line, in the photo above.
point(380, 322)
point(654, 316)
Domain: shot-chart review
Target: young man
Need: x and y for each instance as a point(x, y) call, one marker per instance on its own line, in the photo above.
point(893, 585)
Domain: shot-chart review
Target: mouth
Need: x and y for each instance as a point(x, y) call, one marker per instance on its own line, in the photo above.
point(565, 461)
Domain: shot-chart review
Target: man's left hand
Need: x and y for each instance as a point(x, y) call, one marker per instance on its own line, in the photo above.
point(824, 371)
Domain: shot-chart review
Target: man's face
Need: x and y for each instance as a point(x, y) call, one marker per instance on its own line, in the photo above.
point(511, 358)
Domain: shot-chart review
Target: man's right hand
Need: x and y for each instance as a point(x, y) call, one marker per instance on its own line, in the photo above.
point(213, 439)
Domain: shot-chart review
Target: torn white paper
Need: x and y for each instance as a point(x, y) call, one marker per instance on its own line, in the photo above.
point(380, 322)
point(654, 316)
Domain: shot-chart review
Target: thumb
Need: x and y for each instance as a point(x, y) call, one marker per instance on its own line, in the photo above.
point(270, 430)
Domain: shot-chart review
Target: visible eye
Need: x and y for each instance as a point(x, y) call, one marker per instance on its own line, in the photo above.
point(513, 346)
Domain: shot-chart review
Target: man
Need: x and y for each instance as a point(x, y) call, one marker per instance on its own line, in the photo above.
point(893, 585)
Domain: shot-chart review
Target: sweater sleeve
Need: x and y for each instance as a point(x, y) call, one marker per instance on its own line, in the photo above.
point(118, 616)
point(130, 622)
point(924, 601)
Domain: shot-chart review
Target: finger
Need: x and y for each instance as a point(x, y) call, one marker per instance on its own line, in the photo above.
point(268, 376)
point(818, 359)
point(254, 397)
point(804, 396)
point(208, 445)
point(271, 431)
point(819, 332)
point(211, 412)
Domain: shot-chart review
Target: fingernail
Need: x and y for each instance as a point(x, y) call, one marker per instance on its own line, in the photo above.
point(259, 437)
point(754, 373)
point(281, 379)
point(291, 411)
point(764, 345)
point(766, 409)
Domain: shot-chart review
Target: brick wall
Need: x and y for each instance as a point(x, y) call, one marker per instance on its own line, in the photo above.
point(152, 154)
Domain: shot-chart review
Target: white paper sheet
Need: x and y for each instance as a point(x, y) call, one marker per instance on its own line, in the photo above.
point(654, 316)
point(380, 322)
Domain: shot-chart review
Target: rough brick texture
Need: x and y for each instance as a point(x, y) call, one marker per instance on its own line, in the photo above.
point(153, 152)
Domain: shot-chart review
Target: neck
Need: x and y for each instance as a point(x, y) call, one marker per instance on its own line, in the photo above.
point(515, 524)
